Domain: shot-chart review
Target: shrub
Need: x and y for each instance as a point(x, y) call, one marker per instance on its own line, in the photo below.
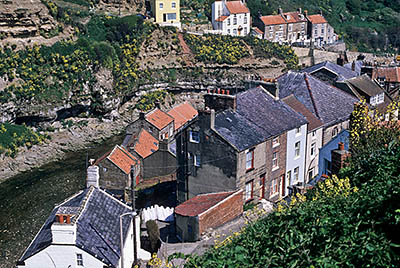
point(154, 234)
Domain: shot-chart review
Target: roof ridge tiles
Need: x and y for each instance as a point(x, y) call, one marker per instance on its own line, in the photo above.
point(311, 95)
point(83, 204)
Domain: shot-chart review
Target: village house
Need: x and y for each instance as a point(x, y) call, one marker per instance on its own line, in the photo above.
point(319, 31)
point(234, 145)
point(118, 172)
point(166, 12)
point(231, 17)
point(194, 216)
point(86, 231)
point(274, 27)
point(388, 78)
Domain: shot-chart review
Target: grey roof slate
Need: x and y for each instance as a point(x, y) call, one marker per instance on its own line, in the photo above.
point(366, 85)
point(97, 225)
point(341, 72)
point(358, 64)
point(258, 117)
point(326, 102)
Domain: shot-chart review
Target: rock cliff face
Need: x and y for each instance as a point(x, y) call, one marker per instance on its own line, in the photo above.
point(24, 18)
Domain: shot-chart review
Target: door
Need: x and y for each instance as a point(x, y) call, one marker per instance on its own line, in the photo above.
point(283, 185)
point(262, 184)
point(165, 17)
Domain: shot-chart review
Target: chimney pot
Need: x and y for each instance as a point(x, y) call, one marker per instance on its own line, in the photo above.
point(341, 146)
point(227, 92)
point(219, 91)
point(208, 91)
point(223, 92)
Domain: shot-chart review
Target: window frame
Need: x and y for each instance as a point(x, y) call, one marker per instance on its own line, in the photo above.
point(275, 160)
point(297, 146)
point(296, 172)
point(197, 160)
point(191, 137)
point(173, 5)
point(161, 6)
point(297, 131)
point(251, 160)
point(274, 187)
point(313, 148)
point(79, 259)
point(249, 193)
point(234, 19)
point(245, 19)
point(275, 142)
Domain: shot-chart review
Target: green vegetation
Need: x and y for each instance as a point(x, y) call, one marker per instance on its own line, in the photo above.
point(148, 101)
point(350, 221)
point(13, 136)
point(365, 25)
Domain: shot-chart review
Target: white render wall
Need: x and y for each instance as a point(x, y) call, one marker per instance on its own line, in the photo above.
point(55, 256)
point(291, 161)
point(312, 161)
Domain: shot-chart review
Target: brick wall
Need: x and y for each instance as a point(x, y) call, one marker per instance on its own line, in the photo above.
point(225, 211)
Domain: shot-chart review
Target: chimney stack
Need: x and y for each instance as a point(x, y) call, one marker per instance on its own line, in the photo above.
point(92, 176)
point(299, 10)
point(142, 116)
point(339, 157)
point(220, 102)
point(280, 11)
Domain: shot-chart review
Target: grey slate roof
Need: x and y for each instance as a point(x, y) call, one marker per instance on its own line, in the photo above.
point(341, 72)
point(366, 85)
point(358, 64)
point(97, 225)
point(326, 102)
point(258, 117)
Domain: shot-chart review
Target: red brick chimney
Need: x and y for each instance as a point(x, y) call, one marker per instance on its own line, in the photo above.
point(339, 157)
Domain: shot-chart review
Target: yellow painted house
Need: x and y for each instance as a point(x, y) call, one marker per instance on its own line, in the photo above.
point(166, 12)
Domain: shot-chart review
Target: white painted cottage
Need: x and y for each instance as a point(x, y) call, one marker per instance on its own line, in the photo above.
point(84, 231)
point(231, 18)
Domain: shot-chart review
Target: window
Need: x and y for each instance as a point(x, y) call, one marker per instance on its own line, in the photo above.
point(105, 169)
point(194, 136)
point(290, 27)
point(173, 5)
point(79, 259)
point(249, 191)
point(229, 31)
point(271, 34)
point(314, 134)
point(298, 131)
point(290, 36)
point(274, 189)
point(171, 16)
point(334, 132)
point(302, 26)
point(289, 177)
point(197, 160)
point(161, 5)
point(327, 167)
point(310, 174)
point(313, 149)
point(275, 160)
point(316, 31)
point(234, 20)
point(245, 19)
point(322, 29)
point(229, 22)
point(381, 98)
point(275, 142)
point(296, 174)
point(244, 30)
point(171, 132)
point(271, 28)
point(281, 27)
point(234, 32)
point(297, 149)
point(250, 159)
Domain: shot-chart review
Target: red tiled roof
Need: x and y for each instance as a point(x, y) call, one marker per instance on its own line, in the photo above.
point(293, 17)
point(200, 203)
point(391, 74)
point(236, 7)
point(121, 158)
point(146, 144)
point(258, 30)
point(316, 19)
point(183, 113)
point(299, 107)
point(272, 20)
point(159, 118)
point(222, 18)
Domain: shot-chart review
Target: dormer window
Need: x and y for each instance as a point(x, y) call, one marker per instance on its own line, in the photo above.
point(288, 17)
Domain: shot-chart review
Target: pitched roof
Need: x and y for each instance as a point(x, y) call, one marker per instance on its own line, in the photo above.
point(97, 221)
point(341, 72)
point(221, 18)
point(357, 68)
point(391, 74)
point(294, 17)
point(366, 85)
point(182, 114)
point(272, 20)
point(327, 103)
point(201, 203)
point(316, 19)
point(257, 30)
point(313, 121)
point(236, 7)
point(159, 119)
point(258, 117)
point(121, 158)
point(146, 144)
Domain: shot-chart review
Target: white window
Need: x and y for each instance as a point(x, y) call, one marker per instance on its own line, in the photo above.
point(249, 191)
point(229, 31)
point(250, 159)
point(245, 19)
point(234, 20)
point(335, 131)
point(171, 16)
point(281, 27)
point(275, 160)
point(197, 160)
point(229, 22)
point(290, 36)
point(275, 142)
point(161, 5)
point(271, 34)
point(298, 131)
point(310, 174)
point(296, 174)
point(297, 149)
point(173, 5)
point(271, 28)
point(381, 98)
point(313, 149)
point(289, 177)
point(79, 259)
point(290, 27)
point(234, 32)
point(274, 189)
point(244, 30)
point(302, 26)
point(322, 29)
point(194, 136)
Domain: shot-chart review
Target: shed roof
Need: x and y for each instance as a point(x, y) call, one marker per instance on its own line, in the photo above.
point(272, 20)
point(97, 220)
point(236, 7)
point(146, 144)
point(201, 203)
point(159, 119)
point(182, 114)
